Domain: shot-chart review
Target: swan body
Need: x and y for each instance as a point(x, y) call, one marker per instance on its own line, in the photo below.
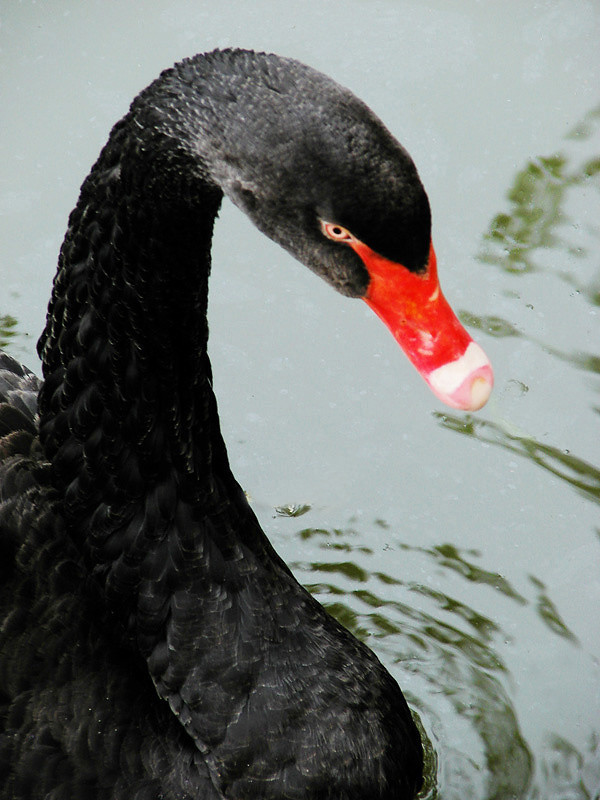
point(152, 642)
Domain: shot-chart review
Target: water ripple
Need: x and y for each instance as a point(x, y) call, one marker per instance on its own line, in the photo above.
point(451, 647)
point(581, 475)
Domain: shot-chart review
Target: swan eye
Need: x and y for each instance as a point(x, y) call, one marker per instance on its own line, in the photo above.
point(337, 232)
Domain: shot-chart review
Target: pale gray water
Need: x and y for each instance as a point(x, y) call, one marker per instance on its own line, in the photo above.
point(464, 549)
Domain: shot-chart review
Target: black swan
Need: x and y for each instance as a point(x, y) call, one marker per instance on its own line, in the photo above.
point(153, 644)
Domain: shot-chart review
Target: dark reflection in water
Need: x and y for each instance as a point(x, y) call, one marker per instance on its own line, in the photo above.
point(580, 474)
point(452, 649)
point(541, 219)
point(564, 770)
point(500, 328)
point(8, 330)
point(538, 216)
point(538, 219)
point(455, 650)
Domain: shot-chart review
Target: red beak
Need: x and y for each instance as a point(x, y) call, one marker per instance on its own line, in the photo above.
point(420, 319)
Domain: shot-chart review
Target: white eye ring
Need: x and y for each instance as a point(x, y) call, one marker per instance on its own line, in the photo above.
point(336, 232)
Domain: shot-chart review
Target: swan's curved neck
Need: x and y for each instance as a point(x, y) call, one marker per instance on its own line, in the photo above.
point(127, 410)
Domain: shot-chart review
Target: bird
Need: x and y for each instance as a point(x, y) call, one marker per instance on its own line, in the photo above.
point(153, 644)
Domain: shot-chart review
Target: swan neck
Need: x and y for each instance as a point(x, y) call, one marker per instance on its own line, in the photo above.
point(127, 405)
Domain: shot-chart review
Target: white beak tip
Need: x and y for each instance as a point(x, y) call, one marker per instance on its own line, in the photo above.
point(465, 383)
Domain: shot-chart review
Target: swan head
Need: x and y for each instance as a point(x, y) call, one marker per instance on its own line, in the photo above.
point(321, 175)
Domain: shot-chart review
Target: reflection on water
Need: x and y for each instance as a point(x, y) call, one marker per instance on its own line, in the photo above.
point(542, 223)
point(548, 613)
point(13, 338)
point(451, 646)
point(580, 474)
point(564, 767)
point(455, 651)
point(449, 557)
point(548, 203)
point(500, 328)
point(538, 216)
point(8, 330)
